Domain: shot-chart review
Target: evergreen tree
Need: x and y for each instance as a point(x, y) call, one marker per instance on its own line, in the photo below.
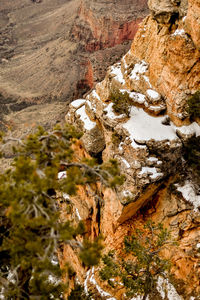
point(30, 226)
point(138, 273)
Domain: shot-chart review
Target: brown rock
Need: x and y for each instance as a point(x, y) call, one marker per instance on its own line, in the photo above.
point(192, 22)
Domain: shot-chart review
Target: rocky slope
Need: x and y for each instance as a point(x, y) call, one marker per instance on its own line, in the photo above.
point(159, 73)
point(45, 56)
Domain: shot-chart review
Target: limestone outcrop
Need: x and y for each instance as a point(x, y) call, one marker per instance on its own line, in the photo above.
point(159, 73)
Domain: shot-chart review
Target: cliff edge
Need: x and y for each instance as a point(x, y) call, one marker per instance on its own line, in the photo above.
point(147, 132)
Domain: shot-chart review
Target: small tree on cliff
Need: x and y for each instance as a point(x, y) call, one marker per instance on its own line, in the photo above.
point(138, 273)
point(30, 226)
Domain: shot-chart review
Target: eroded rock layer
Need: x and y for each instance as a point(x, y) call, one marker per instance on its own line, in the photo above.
point(159, 74)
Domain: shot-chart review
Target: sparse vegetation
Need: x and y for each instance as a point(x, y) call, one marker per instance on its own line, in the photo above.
point(78, 293)
point(138, 273)
point(192, 156)
point(194, 106)
point(30, 227)
point(122, 102)
point(116, 139)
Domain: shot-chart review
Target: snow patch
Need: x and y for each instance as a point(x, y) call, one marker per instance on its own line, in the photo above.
point(116, 71)
point(184, 18)
point(153, 159)
point(146, 78)
point(179, 32)
point(77, 103)
point(193, 128)
point(151, 171)
point(62, 175)
point(110, 113)
point(77, 213)
point(143, 127)
point(94, 94)
point(164, 287)
point(126, 163)
point(127, 193)
point(92, 107)
point(153, 94)
point(86, 282)
point(188, 192)
point(139, 68)
point(137, 97)
point(198, 246)
point(121, 146)
point(88, 124)
point(99, 289)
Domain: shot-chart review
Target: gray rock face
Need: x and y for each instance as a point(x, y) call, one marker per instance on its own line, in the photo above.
point(94, 141)
point(166, 11)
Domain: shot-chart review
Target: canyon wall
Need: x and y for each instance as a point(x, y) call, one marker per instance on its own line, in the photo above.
point(54, 51)
point(159, 73)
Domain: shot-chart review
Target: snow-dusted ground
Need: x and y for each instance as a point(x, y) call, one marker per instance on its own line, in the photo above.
point(116, 71)
point(153, 95)
point(88, 124)
point(152, 172)
point(188, 192)
point(143, 127)
point(137, 97)
point(165, 288)
point(90, 278)
point(78, 102)
point(178, 32)
point(139, 69)
point(110, 113)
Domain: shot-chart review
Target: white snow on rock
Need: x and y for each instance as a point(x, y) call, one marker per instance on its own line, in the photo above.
point(77, 213)
point(124, 62)
point(125, 163)
point(62, 175)
point(155, 108)
point(88, 124)
point(143, 127)
point(139, 68)
point(193, 128)
point(94, 94)
point(153, 94)
point(121, 146)
point(86, 282)
point(66, 196)
point(137, 97)
point(165, 288)
point(127, 193)
point(188, 192)
point(151, 171)
point(146, 78)
point(116, 71)
point(110, 113)
point(92, 107)
point(99, 289)
point(179, 32)
point(78, 102)
point(153, 159)
point(184, 18)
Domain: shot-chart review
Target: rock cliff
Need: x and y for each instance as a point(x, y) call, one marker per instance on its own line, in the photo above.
point(159, 73)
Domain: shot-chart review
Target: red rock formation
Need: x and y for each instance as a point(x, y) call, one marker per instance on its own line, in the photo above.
point(106, 26)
